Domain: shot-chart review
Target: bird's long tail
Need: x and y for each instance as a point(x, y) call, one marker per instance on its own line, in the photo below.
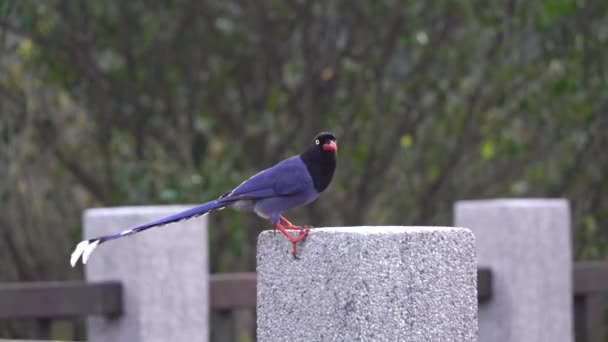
point(86, 247)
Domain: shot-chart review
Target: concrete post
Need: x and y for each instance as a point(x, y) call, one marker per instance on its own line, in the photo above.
point(164, 272)
point(368, 284)
point(526, 243)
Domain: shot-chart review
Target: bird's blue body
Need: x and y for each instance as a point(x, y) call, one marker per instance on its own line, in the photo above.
point(291, 183)
point(269, 193)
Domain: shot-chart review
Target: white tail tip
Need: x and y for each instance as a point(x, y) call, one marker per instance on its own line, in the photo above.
point(84, 248)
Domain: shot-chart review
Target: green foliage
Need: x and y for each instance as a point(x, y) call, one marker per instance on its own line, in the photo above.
point(128, 102)
point(406, 141)
point(553, 10)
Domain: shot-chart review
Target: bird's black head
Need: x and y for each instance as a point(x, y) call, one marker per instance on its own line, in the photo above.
point(320, 159)
point(327, 142)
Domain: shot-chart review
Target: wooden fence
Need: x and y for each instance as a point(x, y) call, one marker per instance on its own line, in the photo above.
point(233, 298)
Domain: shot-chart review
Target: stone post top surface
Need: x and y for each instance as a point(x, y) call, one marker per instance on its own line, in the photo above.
point(136, 209)
point(377, 230)
point(368, 283)
point(515, 202)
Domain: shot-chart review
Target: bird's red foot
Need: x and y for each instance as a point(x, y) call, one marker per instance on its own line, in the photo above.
point(294, 239)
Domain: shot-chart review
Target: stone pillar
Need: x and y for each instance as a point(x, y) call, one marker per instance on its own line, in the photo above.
point(526, 243)
point(164, 272)
point(368, 284)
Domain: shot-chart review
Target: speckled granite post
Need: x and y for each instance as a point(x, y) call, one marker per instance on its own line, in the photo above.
point(526, 243)
point(164, 272)
point(368, 284)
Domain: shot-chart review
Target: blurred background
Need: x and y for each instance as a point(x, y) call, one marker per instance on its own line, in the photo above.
point(110, 103)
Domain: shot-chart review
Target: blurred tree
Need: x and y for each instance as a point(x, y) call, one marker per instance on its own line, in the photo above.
point(131, 102)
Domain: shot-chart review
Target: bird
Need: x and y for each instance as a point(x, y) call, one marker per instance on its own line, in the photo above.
point(291, 183)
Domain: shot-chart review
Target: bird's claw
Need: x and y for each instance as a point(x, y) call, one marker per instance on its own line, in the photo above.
point(301, 237)
point(302, 234)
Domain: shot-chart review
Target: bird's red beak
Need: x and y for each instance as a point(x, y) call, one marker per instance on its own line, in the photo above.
point(330, 146)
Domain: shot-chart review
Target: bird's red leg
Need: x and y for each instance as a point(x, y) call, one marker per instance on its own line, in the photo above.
point(294, 240)
point(290, 225)
point(285, 222)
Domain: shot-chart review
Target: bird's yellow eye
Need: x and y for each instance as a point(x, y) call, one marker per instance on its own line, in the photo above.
point(317, 142)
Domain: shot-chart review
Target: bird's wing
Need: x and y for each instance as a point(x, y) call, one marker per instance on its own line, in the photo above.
point(285, 178)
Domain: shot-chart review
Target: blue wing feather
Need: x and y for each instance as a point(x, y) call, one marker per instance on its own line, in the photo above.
point(285, 178)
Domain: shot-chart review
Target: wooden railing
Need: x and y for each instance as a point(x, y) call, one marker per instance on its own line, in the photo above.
point(233, 298)
point(590, 280)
